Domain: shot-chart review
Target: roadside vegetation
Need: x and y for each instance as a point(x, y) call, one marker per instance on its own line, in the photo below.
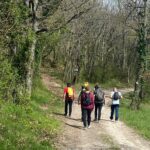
point(32, 126)
point(137, 119)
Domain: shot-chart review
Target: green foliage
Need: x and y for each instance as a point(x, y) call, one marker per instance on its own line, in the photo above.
point(114, 83)
point(47, 45)
point(138, 119)
point(147, 91)
point(15, 40)
point(51, 8)
point(107, 78)
point(6, 79)
point(30, 126)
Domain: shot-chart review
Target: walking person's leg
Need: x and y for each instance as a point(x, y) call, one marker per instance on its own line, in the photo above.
point(99, 111)
point(84, 116)
point(95, 112)
point(116, 112)
point(66, 107)
point(89, 117)
point(70, 107)
point(112, 112)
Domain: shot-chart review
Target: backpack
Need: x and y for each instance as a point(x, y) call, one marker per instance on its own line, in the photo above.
point(86, 99)
point(99, 96)
point(69, 93)
point(116, 96)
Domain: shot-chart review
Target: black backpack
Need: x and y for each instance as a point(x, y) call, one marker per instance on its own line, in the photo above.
point(116, 96)
point(86, 99)
point(99, 96)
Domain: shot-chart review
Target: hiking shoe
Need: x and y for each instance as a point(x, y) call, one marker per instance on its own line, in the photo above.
point(111, 119)
point(89, 126)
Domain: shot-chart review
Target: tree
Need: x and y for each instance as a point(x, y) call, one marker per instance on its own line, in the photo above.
point(141, 49)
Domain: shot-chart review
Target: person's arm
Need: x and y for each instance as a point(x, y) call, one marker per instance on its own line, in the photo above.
point(104, 98)
point(93, 99)
point(65, 91)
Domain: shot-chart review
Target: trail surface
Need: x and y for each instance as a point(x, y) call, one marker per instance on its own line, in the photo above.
point(101, 136)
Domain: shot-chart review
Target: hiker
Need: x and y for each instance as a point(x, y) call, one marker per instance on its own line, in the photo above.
point(79, 100)
point(68, 98)
point(115, 96)
point(86, 84)
point(99, 102)
point(87, 102)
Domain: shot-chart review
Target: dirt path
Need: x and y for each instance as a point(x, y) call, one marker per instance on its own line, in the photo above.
point(103, 135)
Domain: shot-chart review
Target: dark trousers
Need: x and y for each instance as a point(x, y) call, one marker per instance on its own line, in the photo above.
point(86, 117)
point(114, 108)
point(68, 103)
point(98, 109)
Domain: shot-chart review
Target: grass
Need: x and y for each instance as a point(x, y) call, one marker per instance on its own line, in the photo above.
point(30, 127)
point(139, 119)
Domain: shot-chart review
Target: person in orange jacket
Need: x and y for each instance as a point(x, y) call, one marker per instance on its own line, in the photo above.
point(68, 98)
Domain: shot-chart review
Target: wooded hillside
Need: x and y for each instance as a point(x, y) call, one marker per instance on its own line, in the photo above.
point(87, 40)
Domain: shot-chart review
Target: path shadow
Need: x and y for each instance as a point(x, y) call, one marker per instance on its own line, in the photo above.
point(103, 120)
point(74, 126)
point(58, 114)
point(108, 120)
point(74, 119)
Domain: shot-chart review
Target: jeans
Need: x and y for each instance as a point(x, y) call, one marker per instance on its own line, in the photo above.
point(114, 108)
point(86, 117)
point(68, 103)
point(98, 109)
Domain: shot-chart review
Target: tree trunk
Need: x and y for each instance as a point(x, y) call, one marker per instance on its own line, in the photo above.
point(31, 55)
point(30, 65)
point(138, 92)
point(124, 51)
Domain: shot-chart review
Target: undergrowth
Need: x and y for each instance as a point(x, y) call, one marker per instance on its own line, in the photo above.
point(137, 119)
point(30, 127)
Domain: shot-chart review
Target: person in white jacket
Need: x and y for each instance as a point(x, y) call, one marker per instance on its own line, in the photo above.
point(115, 96)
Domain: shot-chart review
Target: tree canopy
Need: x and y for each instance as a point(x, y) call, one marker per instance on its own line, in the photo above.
point(89, 40)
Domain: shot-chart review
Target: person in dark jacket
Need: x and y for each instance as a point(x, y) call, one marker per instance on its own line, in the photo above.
point(99, 102)
point(87, 102)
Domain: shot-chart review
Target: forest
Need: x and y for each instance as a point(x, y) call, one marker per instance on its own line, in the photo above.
point(99, 41)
